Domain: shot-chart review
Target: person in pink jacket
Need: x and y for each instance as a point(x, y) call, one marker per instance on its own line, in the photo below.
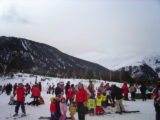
point(63, 109)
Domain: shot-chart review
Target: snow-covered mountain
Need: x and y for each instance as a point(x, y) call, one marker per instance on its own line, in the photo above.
point(147, 68)
point(17, 54)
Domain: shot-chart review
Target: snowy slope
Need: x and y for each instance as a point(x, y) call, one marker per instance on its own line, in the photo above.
point(146, 108)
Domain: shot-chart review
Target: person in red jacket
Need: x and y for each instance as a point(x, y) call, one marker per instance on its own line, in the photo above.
point(52, 108)
point(125, 91)
point(70, 94)
point(36, 94)
point(81, 100)
point(20, 92)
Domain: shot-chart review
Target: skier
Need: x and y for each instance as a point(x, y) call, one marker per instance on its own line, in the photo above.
point(125, 91)
point(36, 94)
point(70, 94)
point(143, 92)
point(133, 91)
point(20, 92)
point(63, 109)
point(58, 89)
point(91, 104)
point(81, 99)
point(67, 87)
point(99, 104)
point(52, 109)
point(0, 89)
point(117, 93)
point(157, 102)
point(91, 88)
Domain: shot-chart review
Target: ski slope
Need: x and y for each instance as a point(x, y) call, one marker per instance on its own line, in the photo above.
point(146, 108)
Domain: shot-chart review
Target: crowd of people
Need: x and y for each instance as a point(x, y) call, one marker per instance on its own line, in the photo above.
point(79, 98)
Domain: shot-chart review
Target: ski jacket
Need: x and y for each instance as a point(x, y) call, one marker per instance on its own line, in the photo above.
point(99, 101)
point(36, 92)
point(66, 88)
point(104, 98)
point(91, 88)
point(81, 95)
point(63, 108)
point(116, 92)
point(133, 89)
point(20, 94)
point(27, 86)
point(125, 89)
point(91, 103)
point(52, 107)
point(70, 93)
point(57, 91)
point(143, 89)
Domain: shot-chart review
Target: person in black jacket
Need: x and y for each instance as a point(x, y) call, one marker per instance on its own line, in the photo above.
point(67, 87)
point(117, 93)
point(143, 92)
point(58, 90)
point(157, 103)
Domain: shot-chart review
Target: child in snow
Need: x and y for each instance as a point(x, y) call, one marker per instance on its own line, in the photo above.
point(63, 109)
point(72, 110)
point(91, 104)
point(99, 104)
point(104, 100)
point(52, 109)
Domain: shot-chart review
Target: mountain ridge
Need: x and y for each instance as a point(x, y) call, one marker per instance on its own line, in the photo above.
point(40, 57)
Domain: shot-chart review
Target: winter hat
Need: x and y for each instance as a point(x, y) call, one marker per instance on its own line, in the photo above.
point(59, 95)
point(51, 99)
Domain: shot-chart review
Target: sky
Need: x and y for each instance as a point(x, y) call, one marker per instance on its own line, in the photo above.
point(107, 32)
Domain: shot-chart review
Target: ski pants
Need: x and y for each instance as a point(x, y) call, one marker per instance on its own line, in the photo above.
point(133, 95)
point(81, 111)
point(98, 110)
point(22, 107)
point(126, 96)
point(119, 105)
point(143, 96)
point(36, 100)
point(70, 100)
point(63, 117)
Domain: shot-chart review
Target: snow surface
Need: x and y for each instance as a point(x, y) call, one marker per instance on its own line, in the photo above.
point(146, 108)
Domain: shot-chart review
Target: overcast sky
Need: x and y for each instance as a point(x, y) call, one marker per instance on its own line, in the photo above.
point(108, 32)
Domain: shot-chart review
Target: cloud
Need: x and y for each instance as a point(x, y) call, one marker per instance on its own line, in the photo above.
point(108, 32)
point(11, 15)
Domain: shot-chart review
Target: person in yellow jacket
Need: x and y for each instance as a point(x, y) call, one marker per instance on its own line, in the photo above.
point(104, 100)
point(72, 110)
point(91, 104)
point(99, 104)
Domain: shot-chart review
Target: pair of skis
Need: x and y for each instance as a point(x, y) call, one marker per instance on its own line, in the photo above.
point(105, 113)
point(124, 112)
point(48, 118)
point(17, 117)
